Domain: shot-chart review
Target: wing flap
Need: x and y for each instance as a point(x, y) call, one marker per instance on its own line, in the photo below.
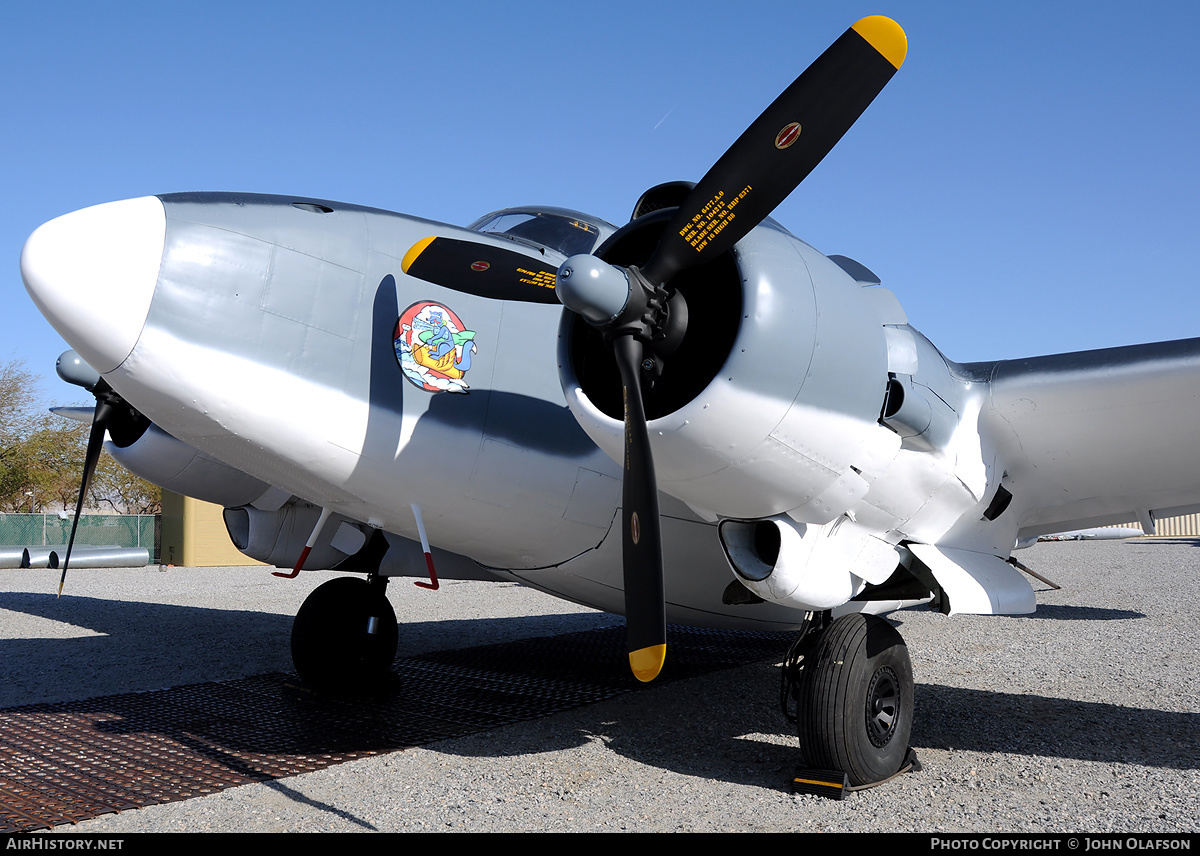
point(977, 583)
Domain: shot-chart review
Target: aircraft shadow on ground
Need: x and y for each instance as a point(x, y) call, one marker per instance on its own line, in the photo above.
point(723, 725)
point(1079, 613)
point(144, 646)
point(991, 721)
point(1161, 541)
point(710, 732)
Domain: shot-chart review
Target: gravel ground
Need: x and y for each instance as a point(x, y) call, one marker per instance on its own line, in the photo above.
point(1082, 717)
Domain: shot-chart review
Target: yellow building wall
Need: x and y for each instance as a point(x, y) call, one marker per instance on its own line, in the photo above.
point(194, 534)
point(1183, 526)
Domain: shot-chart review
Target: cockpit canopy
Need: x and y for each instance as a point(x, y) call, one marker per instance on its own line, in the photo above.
point(559, 229)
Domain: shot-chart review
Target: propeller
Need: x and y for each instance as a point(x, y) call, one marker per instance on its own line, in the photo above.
point(95, 443)
point(635, 309)
point(112, 414)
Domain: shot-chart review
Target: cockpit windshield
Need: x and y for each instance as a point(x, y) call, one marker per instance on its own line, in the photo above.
point(568, 232)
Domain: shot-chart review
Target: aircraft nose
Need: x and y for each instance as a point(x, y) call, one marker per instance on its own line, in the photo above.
point(92, 273)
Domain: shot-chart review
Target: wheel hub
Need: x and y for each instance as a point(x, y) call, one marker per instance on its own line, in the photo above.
point(883, 706)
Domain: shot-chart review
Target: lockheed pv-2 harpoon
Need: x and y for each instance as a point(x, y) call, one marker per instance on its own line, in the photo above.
point(723, 427)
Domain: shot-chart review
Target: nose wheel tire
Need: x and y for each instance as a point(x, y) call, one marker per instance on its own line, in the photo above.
point(344, 637)
point(856, 700)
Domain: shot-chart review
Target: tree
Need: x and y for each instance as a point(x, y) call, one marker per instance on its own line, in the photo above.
point(54, 455)
point(42, 455)
point(21, 417)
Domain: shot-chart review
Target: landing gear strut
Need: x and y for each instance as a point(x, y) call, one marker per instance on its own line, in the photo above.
point(344, 636)
point(852, 684)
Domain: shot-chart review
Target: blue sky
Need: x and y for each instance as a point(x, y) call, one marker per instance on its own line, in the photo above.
point(1028, 182)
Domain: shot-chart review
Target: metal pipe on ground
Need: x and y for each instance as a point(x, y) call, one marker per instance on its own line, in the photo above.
point(107, 557)
point(85, 556)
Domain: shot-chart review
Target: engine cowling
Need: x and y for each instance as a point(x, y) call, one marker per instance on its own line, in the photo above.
point(771, 404)
point(177, 466)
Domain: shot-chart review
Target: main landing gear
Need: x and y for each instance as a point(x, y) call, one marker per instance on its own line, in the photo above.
point(344, 636)
point(851, 683)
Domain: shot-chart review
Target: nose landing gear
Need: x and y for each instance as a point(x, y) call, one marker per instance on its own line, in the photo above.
point(344, 636)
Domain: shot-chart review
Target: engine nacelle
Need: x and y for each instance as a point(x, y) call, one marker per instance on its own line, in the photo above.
point(806, 566)
point(277, 535)
point(173, 464)
point(772, 403)
point(275, 531)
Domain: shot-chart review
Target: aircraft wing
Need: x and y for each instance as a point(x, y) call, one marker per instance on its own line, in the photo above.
point(1096, 437)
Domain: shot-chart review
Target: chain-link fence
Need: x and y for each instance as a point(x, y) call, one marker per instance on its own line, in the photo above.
point(121, 530)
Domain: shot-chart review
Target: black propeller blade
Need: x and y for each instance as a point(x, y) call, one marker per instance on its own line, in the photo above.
point(104, 411)
point(112, 414)
point(645, 603)
point(635, 310)
point(781, 147)
point(479, 268)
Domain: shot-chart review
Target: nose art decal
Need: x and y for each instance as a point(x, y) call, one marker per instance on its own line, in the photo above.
point(434, 348)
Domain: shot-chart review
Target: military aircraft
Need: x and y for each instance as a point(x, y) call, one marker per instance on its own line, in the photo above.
point(695, 417)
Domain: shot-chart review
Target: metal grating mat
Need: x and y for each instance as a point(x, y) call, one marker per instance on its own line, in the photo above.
point(63, 763)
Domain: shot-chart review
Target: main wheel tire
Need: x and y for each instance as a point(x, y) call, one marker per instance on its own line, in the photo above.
point(344, 637)
point(856, 700)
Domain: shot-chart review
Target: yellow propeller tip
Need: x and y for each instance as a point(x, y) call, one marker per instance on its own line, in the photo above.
point(646, 663)
point(414, 251)
point(886, 36)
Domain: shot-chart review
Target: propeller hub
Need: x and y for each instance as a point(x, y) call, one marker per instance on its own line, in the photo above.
point(595, 289)
point(72, 368)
